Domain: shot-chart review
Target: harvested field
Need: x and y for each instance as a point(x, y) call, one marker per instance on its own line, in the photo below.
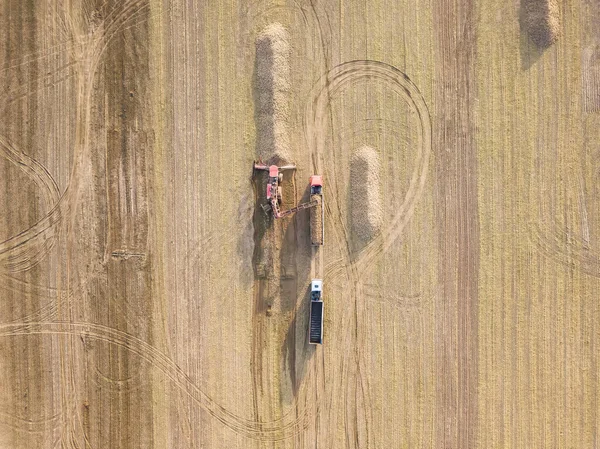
point(147, 300)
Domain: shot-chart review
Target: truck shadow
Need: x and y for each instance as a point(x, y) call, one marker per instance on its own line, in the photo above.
point(295, 348)
point(294, 253)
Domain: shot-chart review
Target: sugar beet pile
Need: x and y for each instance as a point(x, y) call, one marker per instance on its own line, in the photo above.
point(365, 196)
point(273, 93)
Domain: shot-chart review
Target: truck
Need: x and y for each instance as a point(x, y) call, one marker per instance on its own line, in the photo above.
point(317, 213)
point(315, 332)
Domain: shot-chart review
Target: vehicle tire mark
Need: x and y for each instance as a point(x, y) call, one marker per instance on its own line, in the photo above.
point(29, 425)
point(550, 241)
point(41, 83)
point(22, 258)
point(349, 73)
point(265, 431)
point(558, 241)
point(17, 246)
point(43, 54)
point(318, 114)
point(120, 386)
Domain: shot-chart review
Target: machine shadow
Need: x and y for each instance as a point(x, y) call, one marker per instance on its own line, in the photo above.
point(530, 52)
point(296, 349)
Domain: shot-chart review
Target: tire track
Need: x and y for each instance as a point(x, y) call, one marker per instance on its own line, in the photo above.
point(318, 116)
point(29, 247)
point(53, 295)
point(46, 81)
point(457, 212)
point(30, 58)
point(348, 74)
point(90, 46)
point(24, 257)
point(550, 241)
point(119, 386)
point(17, 249)
point(264, 431)
point(29, 425)
point(36, 171)
point(557, 240)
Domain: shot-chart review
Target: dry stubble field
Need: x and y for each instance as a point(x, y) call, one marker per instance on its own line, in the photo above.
point(147, 302)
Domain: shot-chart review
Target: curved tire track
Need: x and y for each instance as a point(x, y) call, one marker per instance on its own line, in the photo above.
point(316, 123)
point(27, 248)
point(264, 431)
point(347, 74)
point(22, 257)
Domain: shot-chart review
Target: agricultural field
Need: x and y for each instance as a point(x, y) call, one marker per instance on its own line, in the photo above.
point(147, 299)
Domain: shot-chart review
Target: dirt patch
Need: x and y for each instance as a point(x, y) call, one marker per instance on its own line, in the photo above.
point(541, 21)
point(272, 94)
point(365, 194)
point(456, 208)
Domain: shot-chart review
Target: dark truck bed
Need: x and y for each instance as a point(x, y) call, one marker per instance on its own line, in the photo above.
point(316, 322)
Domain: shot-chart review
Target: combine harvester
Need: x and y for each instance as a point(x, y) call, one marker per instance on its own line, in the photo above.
point(274, 198)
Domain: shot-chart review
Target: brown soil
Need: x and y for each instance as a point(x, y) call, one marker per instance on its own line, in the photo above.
point(147, 301)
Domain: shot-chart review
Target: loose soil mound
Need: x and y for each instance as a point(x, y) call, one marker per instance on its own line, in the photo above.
point(541, 21)
point(273, 94)
point(365, 194)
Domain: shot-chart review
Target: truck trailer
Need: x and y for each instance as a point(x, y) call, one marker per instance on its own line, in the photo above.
point(315, 333)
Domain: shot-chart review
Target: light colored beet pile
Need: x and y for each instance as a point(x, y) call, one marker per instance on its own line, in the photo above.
point(273, 94)
point(365, 194)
